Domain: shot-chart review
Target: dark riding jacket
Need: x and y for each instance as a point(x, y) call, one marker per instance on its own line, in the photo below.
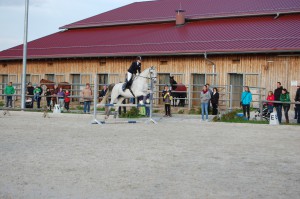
point(135, 67)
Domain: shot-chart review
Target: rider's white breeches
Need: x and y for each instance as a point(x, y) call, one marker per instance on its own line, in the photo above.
point(129, 75)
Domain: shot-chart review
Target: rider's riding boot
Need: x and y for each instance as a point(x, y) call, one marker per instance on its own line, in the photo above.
point(125, 85)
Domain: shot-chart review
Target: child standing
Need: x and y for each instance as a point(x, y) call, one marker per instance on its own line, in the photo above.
point(246, 100)
point(167, 99)
point(9, 91)
point(61, 97)
point(36, 93)
point(67, 100)
point(285, 97)
point(270, 98)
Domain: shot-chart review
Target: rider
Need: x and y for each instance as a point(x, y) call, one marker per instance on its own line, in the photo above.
point(134, 69)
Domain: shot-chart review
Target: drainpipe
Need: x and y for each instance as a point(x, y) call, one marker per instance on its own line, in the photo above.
point(213, 69)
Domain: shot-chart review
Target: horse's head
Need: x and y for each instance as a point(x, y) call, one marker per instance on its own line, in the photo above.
point(153, 74)
point(173, 83)
point(172, 79)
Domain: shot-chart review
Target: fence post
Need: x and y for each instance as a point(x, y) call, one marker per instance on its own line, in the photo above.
point(230, 100)
point(190, 101)
point(260, 108)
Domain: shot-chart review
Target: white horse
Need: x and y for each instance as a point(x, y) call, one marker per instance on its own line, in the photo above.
point(139, 87)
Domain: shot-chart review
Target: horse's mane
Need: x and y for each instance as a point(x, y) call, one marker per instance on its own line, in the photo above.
point(144, 71)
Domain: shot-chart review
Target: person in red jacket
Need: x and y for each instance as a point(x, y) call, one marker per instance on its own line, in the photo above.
point(270, 104)
point(67, 100)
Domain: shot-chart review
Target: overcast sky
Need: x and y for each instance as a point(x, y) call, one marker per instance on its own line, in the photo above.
point(46, 16)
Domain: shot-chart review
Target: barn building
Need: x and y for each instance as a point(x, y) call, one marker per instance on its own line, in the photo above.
point(240, 42)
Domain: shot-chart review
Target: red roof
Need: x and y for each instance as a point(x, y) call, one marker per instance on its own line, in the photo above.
point(232, 35)
point(164, 10)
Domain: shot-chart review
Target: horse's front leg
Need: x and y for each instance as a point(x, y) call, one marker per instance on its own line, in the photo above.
point(107, 112)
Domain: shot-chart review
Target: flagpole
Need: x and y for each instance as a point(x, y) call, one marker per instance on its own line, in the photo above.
point(23, 91)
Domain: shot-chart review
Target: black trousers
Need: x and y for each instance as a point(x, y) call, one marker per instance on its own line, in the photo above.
point(286, 112)
point(246, 108)
point(49, 103)
point(168, 109)
point(215, 109)
point(298, 113)
point(67, 105)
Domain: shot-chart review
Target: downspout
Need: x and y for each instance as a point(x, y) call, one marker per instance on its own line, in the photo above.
point(213, 69)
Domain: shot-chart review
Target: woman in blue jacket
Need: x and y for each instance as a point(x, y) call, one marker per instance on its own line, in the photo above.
point(246, 99)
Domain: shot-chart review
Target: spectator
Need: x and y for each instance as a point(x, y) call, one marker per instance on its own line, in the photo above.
point(48, 98)
point(124, 107)
point(61, 97)
point(29, 92)
point(147, 102)
point(166, 89)
point(37, 95)
point(246, 99)
point(270, 104)
point(215, 101)
point(103, 92)
point(285, 97)
point(54, 95)
point(297, 106)
point(67, 100)
point(9, 91)
point(87, 98)
point(167, 99)
point(205, 97)
point(210, 92)
point(278, 106)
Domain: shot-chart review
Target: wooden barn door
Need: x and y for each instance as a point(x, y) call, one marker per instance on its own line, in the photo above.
point(198, 83)
point(3, 81)
point(75, 86)
point(236, 80)
point(163, 79)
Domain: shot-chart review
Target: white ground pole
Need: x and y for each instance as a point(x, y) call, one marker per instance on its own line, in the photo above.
point(95, 121)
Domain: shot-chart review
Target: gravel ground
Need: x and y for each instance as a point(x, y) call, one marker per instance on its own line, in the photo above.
point(65, 156)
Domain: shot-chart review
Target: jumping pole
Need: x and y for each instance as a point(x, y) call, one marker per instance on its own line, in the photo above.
point(151, 102)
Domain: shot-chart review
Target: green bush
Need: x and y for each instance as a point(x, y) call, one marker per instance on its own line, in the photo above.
point(1, 103)
point(194, 111)
point(132, 113)
point(79, 107)
point(181, 111)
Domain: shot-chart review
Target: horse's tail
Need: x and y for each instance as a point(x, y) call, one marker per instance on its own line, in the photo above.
point(109, 89)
